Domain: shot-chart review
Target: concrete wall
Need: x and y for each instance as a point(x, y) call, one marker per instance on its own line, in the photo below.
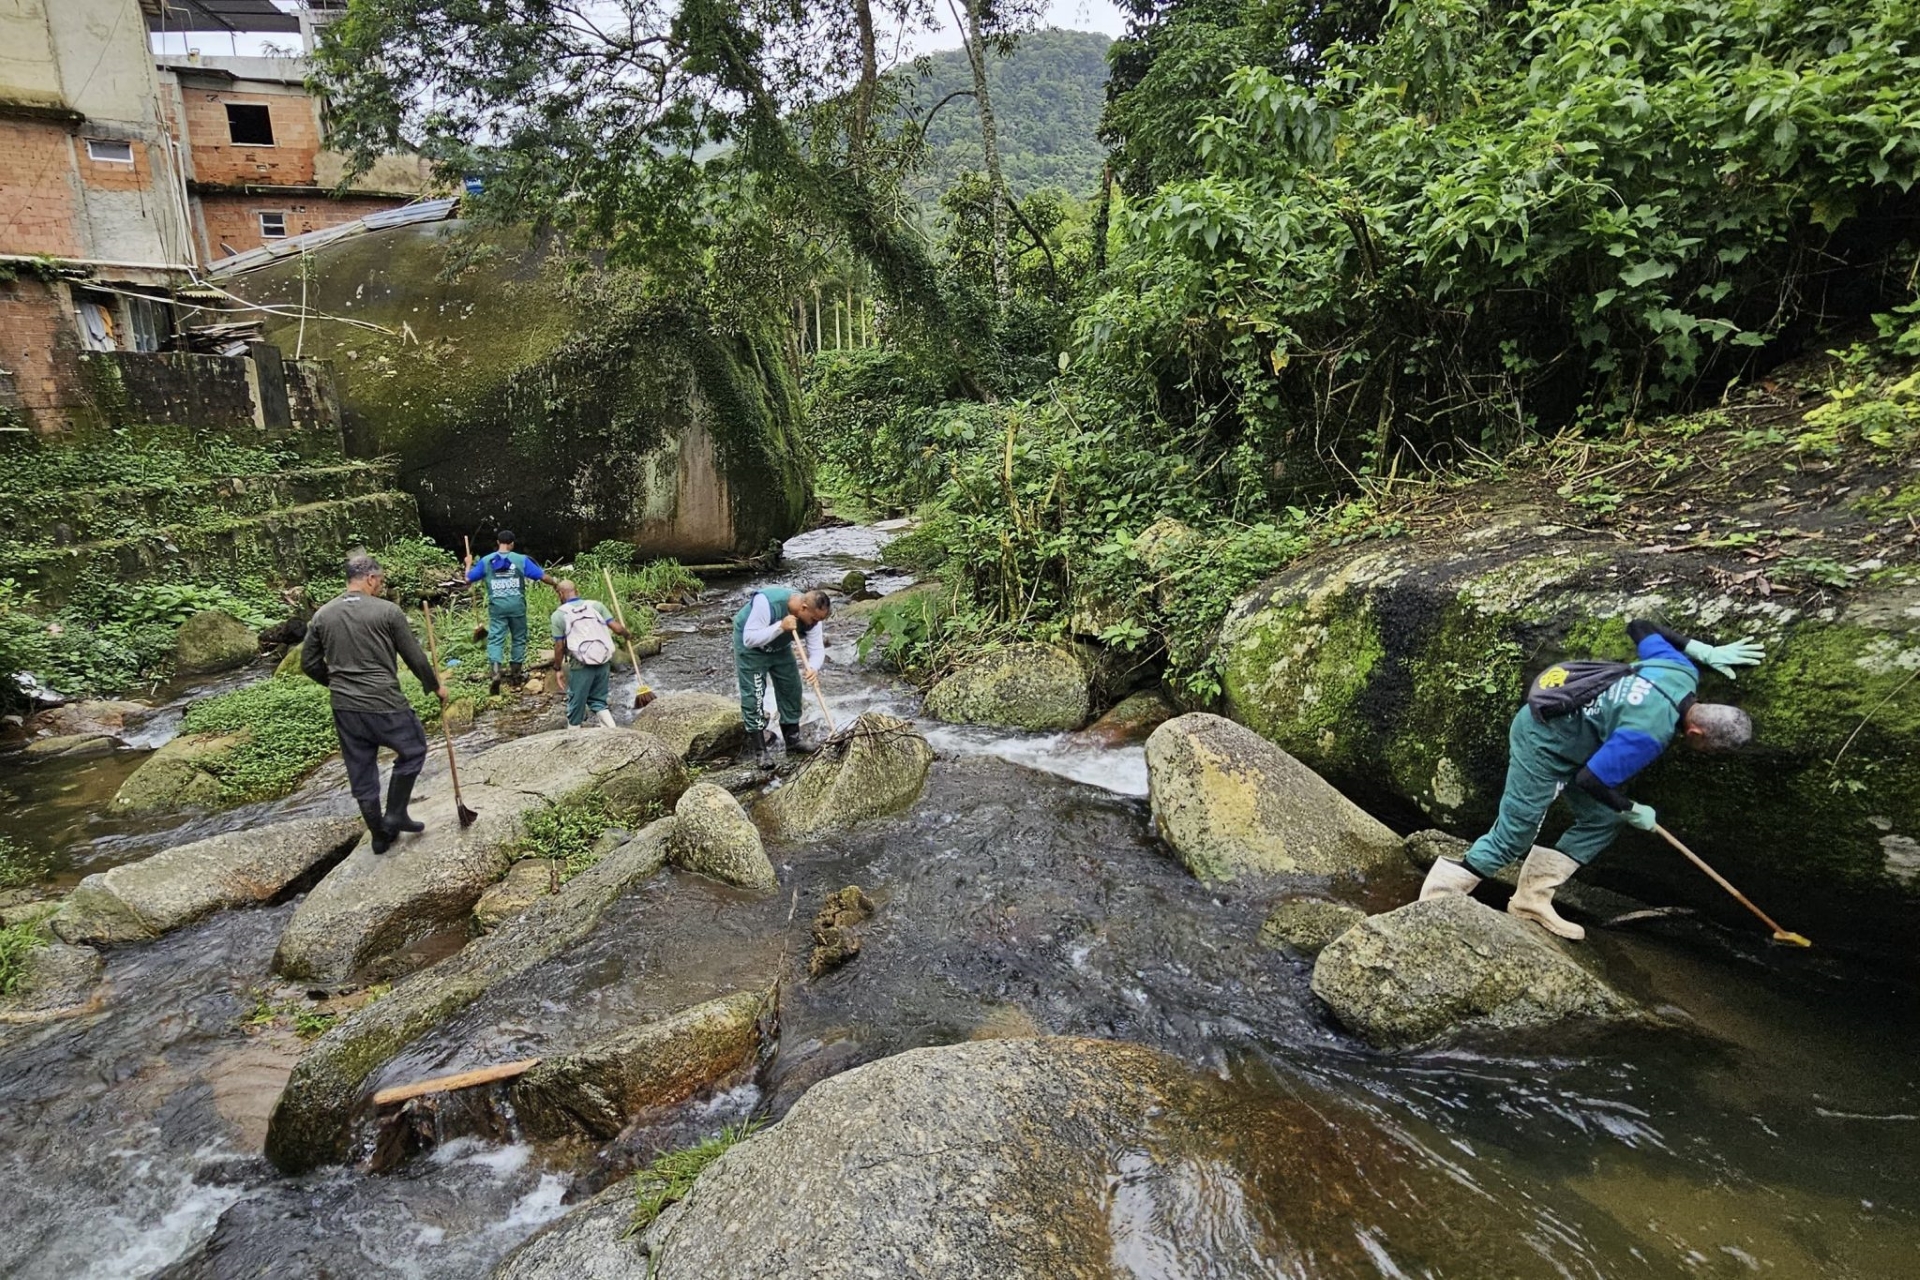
point(219, 161)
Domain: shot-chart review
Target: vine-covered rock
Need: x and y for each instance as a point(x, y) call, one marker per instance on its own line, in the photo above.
point(1023, 686)
point(1233, 805)
point(875, 767)
point(1394, 669)
point(574, 408)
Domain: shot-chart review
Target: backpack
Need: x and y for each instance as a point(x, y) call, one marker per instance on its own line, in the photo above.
point(1566, 687)
point(588, 640)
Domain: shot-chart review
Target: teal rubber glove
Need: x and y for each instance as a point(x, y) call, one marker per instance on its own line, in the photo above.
point(1640, 817)
point(1725, 657)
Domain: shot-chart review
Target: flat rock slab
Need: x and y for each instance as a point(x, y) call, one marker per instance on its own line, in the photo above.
point(312, 1123)
point(139, 901)
point(1308, 924)
point(1430, 971)
point(71, 746)
point(873, 768)
point(526, 882)
point(1233, 805)
point(696, 726)
point(373, 905)
point(59, 982)
point(599, 1089)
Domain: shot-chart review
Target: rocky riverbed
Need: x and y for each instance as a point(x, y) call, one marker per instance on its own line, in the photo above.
point(1754, 1116)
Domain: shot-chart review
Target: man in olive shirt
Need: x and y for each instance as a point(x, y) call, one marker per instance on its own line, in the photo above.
point(351, 647)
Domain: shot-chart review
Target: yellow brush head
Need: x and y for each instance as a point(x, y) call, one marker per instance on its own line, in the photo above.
point(1791, 939)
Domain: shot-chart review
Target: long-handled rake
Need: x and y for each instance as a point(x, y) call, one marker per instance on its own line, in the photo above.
point(479, 595)
point(1779, 935)
point(642, 692)
point(467, 816)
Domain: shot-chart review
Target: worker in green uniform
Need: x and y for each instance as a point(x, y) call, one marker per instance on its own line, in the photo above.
point(764, 632)
point(583, 633)
point(1586, 755)
point(506, 573)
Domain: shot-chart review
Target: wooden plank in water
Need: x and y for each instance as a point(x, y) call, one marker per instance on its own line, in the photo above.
point(459, 1080)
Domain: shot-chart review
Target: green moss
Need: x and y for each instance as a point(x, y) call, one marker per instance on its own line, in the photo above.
point(1466, 680)
point(1596, 637)
point(1296, 678)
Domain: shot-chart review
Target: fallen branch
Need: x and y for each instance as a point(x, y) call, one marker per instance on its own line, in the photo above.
point(459, 1080)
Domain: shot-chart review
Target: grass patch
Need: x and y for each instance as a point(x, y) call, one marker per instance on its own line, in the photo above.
point(21, 866)
point(18, 942)
point(568, 833)
point(668, 1179)
point(290, 730)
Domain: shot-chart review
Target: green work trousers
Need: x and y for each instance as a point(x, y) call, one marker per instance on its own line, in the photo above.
point(752, 666)
point(1538, 772)
point(586, 691)
point(501, 626)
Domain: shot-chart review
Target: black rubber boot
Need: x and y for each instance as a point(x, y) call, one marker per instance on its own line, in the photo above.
point(790, 733)
point(399, 793)
point(376, 825)
point(516, 677)
point(493, 679)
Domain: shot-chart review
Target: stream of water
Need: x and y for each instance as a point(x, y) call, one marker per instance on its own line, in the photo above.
point(1024, 892)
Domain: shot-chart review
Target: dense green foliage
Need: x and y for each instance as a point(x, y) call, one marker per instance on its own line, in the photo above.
point(1047, 97)
point(18, 942)
point(569, 833)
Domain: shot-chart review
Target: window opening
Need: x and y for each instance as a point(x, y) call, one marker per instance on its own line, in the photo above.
point(273, 226)
point(151, 322)
point(108, 151)
point(97, 327)
point(249, 125)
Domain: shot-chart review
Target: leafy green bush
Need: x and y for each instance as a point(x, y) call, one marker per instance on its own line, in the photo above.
point(17, 944)
point(19, 865)
point(415, 569)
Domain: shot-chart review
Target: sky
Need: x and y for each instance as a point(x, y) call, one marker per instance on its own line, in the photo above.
point(1074, 15)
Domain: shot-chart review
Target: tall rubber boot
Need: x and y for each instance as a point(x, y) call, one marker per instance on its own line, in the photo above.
point(605, 719)
point(790, 734)
point(762, 747)
point(516, 676)
point(399, 795)
point(1447, 879)
point(1544, 871)
point(376, 825)
point(493, 679)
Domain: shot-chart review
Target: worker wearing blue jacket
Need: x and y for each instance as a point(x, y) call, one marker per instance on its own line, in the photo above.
point(1586, 756)
point(506, 573)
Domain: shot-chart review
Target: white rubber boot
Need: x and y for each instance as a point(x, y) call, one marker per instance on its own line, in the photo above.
point(1544, 871)
point(1447, 879)
point(605, 719)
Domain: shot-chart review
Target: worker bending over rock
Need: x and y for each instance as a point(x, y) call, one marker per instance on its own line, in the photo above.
point(764, 632)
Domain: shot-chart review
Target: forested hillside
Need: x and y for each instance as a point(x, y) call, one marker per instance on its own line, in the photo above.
point(1047, 94)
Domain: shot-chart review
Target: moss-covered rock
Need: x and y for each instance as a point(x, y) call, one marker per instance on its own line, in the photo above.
point(1024, 686)
point(1232, 805)
point(1433, 970)
point(1307, 925)
point(695, 726)
point(177, 775)
point(213, 640)
point(573, 407)
point(525, 883)
point(1132, 719)
point(1394, 669)
point(596, 1090)
point(876, 767)
point(714, 837)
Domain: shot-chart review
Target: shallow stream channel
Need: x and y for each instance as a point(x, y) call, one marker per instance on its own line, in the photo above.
point(1777, 1134)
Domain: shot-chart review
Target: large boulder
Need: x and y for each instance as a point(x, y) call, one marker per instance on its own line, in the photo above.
point(1131, 720)
point(1433, 970)
point(597, 1090)
point(1023, 686)
point(714, 836)
point(1044, 1159)
point(698, 726)
point(1232, 805)
point(312, 1124)
point(139, 901)
point(213, 640)
point(1394, 669)
point(574, 407)
point(108, 717)
point(178, 775)
point(373, 905)
point(875, 767)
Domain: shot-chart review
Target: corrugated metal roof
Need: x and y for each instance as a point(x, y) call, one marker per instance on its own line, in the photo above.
point(221, 15)
point(405, 215)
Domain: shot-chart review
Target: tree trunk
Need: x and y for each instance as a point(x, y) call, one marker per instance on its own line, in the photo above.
point(1102, 215)
point(990, 148)
point(864, 91)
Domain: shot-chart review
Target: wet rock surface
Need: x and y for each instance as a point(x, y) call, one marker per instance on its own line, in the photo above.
point(526, 881)
point(836, 937)
point(1430, 971)
point(59, 980)
point(176, 776)
point(71, 746)
point(598, 1089)
point(212, 641)
point(105, 716)
point(875, 767)
point(1024, 686)
point(373, 905)
point(1232, 805)
point(1307, 925)
point(695, 726)
point(311, 1123)
point(713, 836)
point(1132, 720)
point(139, 901)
